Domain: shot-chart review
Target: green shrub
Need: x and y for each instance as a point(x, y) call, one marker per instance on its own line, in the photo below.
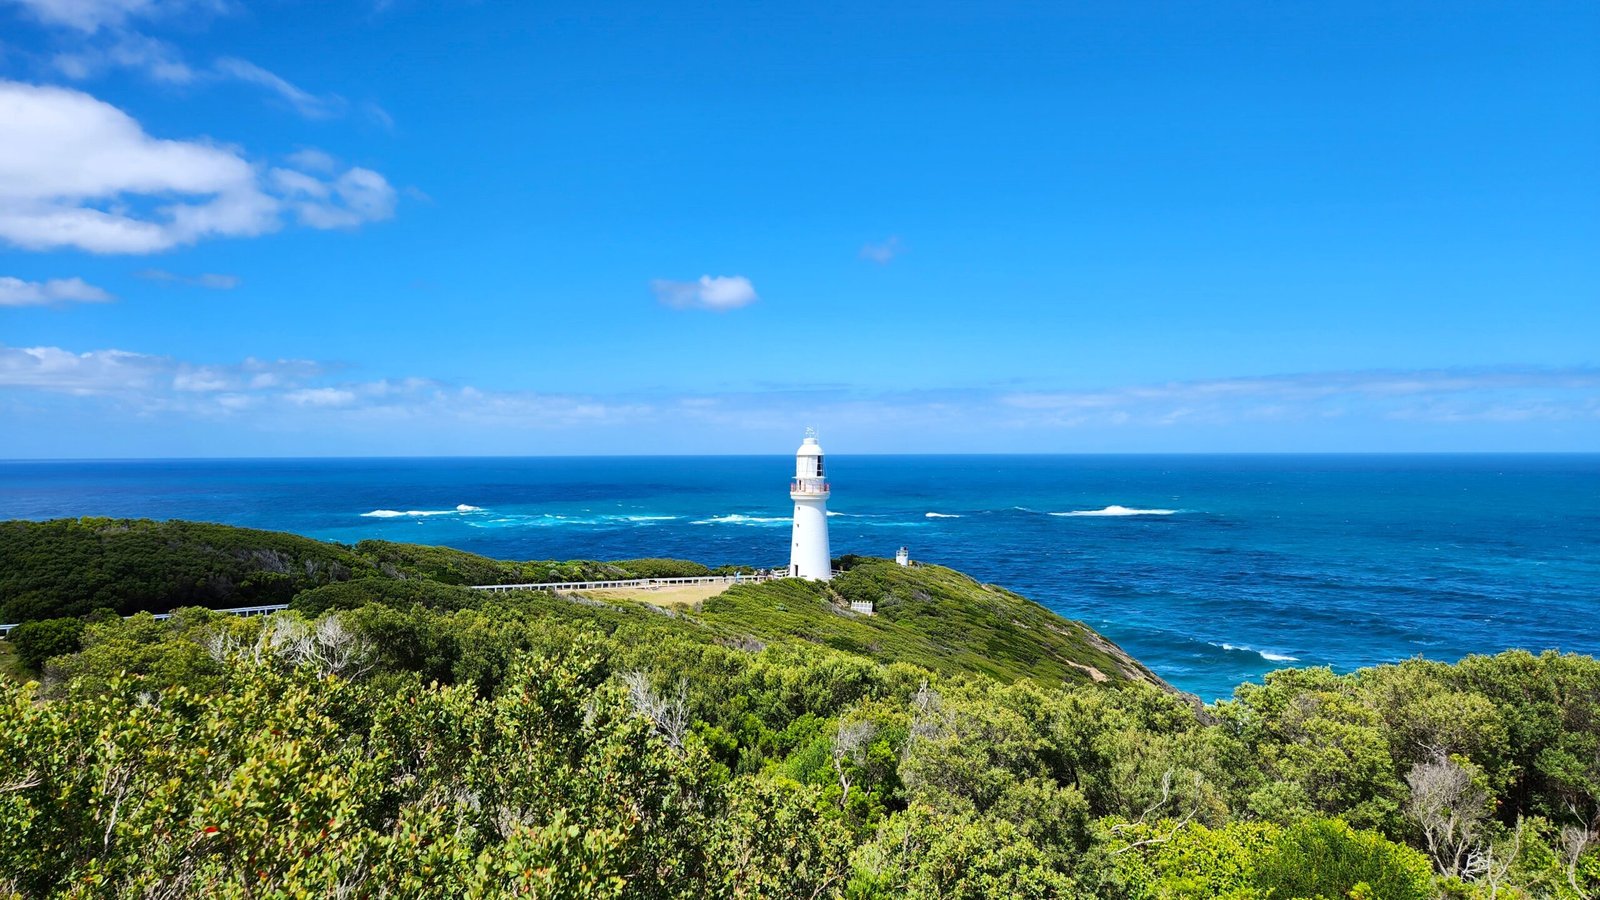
point(37, 641)
point(1326, 859)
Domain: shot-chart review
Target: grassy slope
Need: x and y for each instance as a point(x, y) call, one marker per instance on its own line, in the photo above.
point(928, 615)
point(10, 668)
point(931, 616)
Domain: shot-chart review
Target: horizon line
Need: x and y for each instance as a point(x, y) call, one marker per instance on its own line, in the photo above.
point(881, 453)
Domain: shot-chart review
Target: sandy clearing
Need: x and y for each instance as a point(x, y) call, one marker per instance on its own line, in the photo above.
point(666, 595)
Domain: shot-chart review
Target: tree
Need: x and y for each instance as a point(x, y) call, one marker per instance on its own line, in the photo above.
point(1449, 806)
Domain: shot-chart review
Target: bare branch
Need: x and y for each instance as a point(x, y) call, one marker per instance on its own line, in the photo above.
point(668, 715)
point(1166, 796)
point(850, 743)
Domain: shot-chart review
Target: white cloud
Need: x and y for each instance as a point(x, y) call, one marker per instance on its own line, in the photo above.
point(357, 195)
point(325, 396)
point(16, 292)
point(310, 105)
point(64, 155)
point(153, 379)
point(881, 253)
point(77, 172)
point(306, 398)
point(55, 369)
point(212, 280)
point(720, 293)
point(161, 62)
point(92, 15)
point(157, 59)
point(1472, 394)
point(310, 159)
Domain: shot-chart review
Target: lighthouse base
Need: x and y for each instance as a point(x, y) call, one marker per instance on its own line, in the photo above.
point(809, 556)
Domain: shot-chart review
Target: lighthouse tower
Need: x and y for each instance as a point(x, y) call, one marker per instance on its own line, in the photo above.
point(808, 555)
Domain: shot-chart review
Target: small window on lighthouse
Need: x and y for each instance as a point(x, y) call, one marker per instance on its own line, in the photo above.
point(819, 467)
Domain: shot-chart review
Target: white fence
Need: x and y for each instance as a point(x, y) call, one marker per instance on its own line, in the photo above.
point(626, 583)
point(537, 586)
point(6, 630)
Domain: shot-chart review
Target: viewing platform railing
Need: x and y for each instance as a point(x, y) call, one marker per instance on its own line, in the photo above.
point(809, 486)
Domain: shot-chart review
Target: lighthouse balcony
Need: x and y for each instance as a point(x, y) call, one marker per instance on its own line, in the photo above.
point(813, 487)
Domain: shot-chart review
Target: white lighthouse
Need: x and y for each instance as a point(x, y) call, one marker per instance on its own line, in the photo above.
point(808, 554)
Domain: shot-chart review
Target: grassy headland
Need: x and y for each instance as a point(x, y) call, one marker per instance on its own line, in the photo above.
point(927, 615)
point(395, 734)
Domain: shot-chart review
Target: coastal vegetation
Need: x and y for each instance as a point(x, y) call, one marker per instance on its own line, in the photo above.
point(395, 734)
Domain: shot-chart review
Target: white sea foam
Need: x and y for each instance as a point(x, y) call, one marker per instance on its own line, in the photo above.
point(463, 507)
point(556, 520)
point(737, 519)
point(1115, 510)
point(934, 515)
point(416, 513)
point(1264, 654)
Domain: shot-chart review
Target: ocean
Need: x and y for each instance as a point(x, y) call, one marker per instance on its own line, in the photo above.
point(1211, 569)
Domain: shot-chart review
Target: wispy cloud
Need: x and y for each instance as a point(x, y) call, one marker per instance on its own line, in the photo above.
point(354, 196)
point(78, 172)
point(312, 106)
point(144, 379)
point(303, 396)
point(157, 59)
point(1469, 393)
point(16, 292)
point(378, 116)
point(310, 159)
point(883, 251)
point(212, 280)
point(90, 16)
point(101, 37)
point(720, 293)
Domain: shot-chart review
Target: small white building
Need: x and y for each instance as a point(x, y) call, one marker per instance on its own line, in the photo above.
point(902, 557)
point(809, 556)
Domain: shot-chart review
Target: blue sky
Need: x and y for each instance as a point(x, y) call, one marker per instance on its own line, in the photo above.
point(285, 228)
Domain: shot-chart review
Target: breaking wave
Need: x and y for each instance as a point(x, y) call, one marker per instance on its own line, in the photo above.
point(737, 519)
point(1264, 654)
point(936, 515)
point(418, 513)
point(556, 520)
point(1115, 510)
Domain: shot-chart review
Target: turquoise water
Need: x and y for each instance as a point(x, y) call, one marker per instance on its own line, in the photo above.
point(1220, 568)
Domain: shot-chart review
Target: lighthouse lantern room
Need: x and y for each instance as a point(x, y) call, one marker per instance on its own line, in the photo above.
point(808, 554)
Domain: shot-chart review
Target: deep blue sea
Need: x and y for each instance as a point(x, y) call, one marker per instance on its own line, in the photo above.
point(1210, 569)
